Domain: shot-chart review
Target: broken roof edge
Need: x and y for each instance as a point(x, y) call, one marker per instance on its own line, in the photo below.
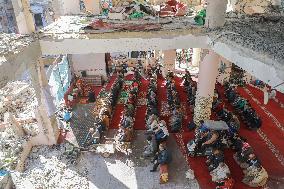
point(13, 44)
point(125, 34)
point(262, 66)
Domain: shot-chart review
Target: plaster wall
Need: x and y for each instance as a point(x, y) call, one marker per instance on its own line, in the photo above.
point(70, 7)
point(93, 6)
point(94, 64)
point(169, 61)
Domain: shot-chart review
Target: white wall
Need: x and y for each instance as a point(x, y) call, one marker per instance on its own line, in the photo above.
point(70, 7)
point(94, 64)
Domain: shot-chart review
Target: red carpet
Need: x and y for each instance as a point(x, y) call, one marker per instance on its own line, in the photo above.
point(162, 96)
point(268, 159)
point(256, 140)
point(271, 128)
point(196, 164)
point(116, 117)
point(139, 123)
point(272, 106)
point(111, 81)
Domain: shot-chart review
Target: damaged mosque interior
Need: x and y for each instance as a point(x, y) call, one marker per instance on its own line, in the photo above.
point(141, 94)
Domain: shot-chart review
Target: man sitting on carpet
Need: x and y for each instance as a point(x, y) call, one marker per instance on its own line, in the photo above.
point(152, 123)
point(161, 132)
point(162, 157)
point(255, 176)
point(215, 159)
point(176, 120)
point(150, 148)
point(91, 96)
point(126, 121)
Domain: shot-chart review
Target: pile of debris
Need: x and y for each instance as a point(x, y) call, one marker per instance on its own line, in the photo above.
point(18, 98)
point(13, 43)
point(11, 147)
point(17, 124)
point(263, 34)
point(253, 7)
point(50, 167)
point(134, 10)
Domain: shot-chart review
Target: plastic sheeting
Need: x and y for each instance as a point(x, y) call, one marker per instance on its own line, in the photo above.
point(60, 78)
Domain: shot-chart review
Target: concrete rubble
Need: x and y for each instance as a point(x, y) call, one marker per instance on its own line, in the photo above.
point(11, 147)
point(18, 98)
point(14, 43)
point(49, 167)
point(17, 124)
point(263, 34)
point(76, 27)
point(253, 7)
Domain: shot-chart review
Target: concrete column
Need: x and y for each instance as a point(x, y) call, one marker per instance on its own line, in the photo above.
point(215, 13)
point(46, 109)
point(169, 61)
point(93, 6)
point(24, 17)
point(196, 57)
point(208, 72)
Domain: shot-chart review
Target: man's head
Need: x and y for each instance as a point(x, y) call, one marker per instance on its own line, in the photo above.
point(161, 147)
point(92, 130)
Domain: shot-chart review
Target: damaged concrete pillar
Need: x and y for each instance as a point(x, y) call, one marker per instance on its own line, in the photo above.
point(196, 57)
point(208, 72)
point(24, 17)
point(47, 107)
point(215, 13)
point(9, 118)
point(93, 6)
point(169, 61)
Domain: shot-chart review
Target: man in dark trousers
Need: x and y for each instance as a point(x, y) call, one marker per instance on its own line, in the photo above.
point(162, 157)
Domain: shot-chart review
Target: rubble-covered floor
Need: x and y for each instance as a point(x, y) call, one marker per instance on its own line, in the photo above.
point(18, 124)
point(48, 167)
point(122, 172)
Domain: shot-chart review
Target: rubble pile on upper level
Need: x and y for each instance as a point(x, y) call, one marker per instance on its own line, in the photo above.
point(251, 7)
point(14, 43)
point(263, 34)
